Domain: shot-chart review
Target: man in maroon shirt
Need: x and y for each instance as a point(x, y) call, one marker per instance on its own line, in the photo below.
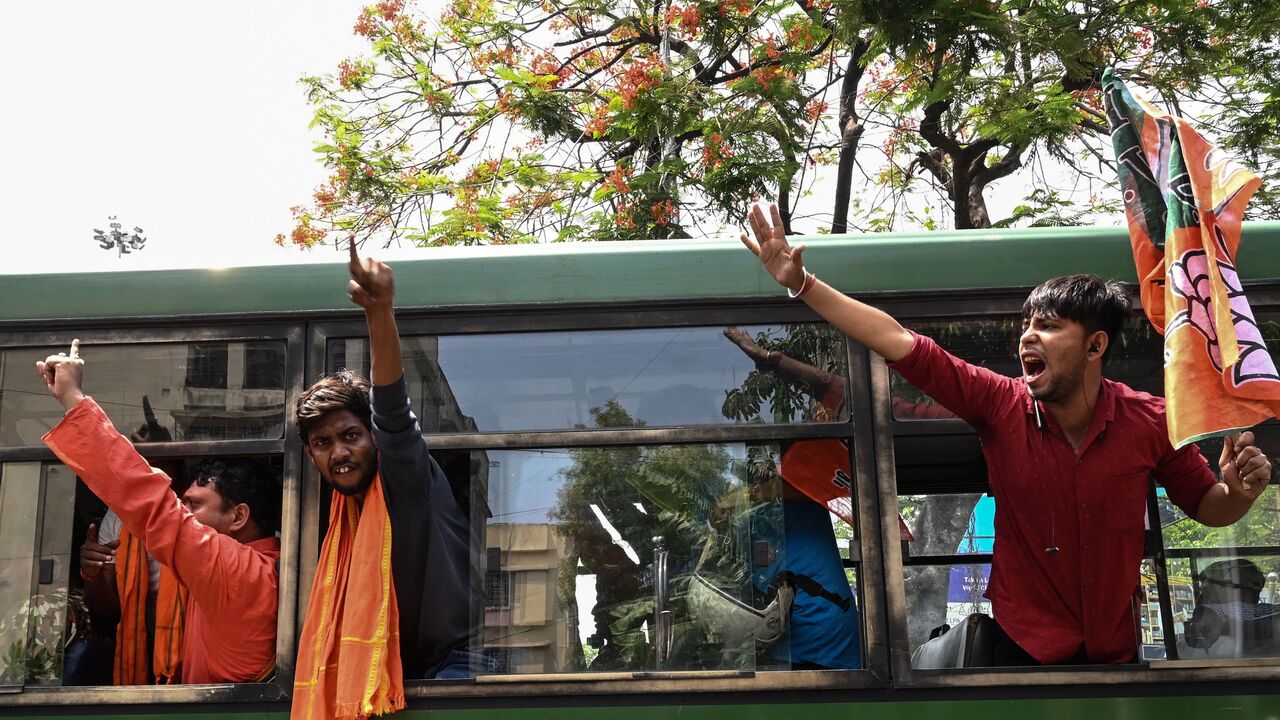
point(1069, 454)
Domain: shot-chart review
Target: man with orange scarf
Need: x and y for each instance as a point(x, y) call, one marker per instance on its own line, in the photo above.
point(218, 541)
point(392, 593)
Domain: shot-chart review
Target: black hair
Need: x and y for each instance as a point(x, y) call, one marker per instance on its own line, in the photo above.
point(343, 390)
point(241, 480)
point(1087, 299)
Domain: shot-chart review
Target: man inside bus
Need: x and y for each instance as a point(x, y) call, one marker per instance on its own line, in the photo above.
point(218, 540)
point(1069, 455)
point(367, 445)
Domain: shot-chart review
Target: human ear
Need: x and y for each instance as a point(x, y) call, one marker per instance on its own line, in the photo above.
point(239, 517)
point(1098, 343)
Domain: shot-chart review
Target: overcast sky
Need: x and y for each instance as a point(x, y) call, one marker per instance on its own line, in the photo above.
point(186, 119)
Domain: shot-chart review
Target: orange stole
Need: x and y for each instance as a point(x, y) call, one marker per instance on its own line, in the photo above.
point(349, 652)
point(131, 634)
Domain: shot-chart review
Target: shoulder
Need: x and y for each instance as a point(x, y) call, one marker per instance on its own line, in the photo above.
point(1138, 406)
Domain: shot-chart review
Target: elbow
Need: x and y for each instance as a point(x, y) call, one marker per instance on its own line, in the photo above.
point(898, 345)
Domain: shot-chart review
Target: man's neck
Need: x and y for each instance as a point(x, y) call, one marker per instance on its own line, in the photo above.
point(1075, 413)
point(245, 537)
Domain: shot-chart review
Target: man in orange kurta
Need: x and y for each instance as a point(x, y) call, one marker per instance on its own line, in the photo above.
point(222, 549)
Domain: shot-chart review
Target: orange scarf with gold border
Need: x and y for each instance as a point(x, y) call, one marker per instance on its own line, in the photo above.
point(349, 653)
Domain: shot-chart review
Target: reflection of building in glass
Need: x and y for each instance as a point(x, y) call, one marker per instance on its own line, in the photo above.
point(231, 391)
point(526, 627)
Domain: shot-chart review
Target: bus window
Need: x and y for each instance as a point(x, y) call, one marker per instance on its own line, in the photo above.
point(662, 377)
point(689, 557)
point(948, 559)
point(21, 660)
point(649, 556)
point(157, 392)
point(1229, 577)
point(96, 648)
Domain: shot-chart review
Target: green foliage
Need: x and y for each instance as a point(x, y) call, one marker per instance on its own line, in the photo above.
point(676, 493)
point(788, 398)
point(1048, 208)
point(640, 120)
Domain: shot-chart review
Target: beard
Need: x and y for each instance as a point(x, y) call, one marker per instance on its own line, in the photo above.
point(362, 481)
point(1064, 382)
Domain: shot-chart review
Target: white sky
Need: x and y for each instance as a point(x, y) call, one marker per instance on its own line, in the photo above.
point(186, 119)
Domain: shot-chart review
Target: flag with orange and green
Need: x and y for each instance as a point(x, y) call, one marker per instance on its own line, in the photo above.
point(1184, 199)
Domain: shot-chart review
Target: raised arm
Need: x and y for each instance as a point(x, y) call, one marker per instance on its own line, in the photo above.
point(87, 442)
point(373, 287)
point(869, 326)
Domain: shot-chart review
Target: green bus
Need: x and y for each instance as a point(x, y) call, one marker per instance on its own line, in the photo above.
point(610, 416)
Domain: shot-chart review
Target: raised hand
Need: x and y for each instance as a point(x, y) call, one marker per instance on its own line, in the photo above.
point(62, 374)
point(372, 286)
point(96, 556)
point(1245, 469)
point(770, 245)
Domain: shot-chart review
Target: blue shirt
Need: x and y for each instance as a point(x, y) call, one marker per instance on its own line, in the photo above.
point(819, 631)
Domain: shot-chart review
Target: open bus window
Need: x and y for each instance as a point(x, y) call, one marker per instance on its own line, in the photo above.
point(662, 377)
point(157, 392)
point(942, 585)
point(690, 557)
point(1225, 582)
point(56, 630)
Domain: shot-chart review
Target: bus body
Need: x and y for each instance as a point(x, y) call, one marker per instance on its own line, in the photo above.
point(599, 424)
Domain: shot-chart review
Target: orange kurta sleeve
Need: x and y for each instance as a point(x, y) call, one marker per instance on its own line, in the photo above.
point(232, 585)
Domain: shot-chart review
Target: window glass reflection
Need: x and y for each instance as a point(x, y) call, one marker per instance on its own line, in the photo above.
point(19, 526)
point(687, 557)
point(660, 377)
point(157, 392)
point(39, 611)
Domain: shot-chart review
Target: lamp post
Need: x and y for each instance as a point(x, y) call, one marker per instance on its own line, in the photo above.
point(116, 238)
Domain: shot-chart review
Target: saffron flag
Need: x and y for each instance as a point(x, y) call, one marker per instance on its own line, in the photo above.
point(1185, 200)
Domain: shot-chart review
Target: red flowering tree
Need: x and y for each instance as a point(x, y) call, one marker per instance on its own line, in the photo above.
point(511, 120)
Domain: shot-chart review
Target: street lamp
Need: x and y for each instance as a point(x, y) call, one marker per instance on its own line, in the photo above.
point(116, 238)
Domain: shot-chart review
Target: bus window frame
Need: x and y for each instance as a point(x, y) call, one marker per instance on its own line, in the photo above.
point(1007, 302)
point(414, 322)
point(138, 331)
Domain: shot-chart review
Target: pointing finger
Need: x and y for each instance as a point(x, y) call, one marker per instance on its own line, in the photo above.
point(359, 268)
point(75, 349)
point(92, 535)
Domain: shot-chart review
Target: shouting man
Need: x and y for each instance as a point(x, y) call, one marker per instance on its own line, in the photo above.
point(1069, 454)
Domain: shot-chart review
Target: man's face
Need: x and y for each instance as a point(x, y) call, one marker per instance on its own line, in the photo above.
point(1053, 352)
point(343, 451)
point(210, 508)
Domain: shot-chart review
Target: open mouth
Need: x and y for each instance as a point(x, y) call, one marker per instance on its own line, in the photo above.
point(342, 471)
point(1032, 367)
